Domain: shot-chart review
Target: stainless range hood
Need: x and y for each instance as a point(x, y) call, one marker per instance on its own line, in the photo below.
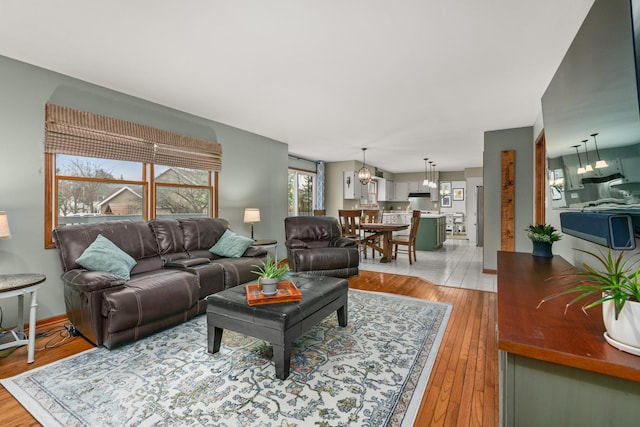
point(420, 201)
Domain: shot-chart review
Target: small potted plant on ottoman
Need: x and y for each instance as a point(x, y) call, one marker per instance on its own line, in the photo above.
point(269, 274)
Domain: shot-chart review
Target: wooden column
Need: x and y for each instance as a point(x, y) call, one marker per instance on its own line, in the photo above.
point(540, 174)
point(508, 206)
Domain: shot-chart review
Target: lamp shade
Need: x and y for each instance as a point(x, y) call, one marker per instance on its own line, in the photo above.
point(5, 232)
point(251, 215)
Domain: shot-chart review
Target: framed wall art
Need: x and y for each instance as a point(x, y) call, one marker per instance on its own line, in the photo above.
point(458, 194)
point(446, 201)
point(445, 188)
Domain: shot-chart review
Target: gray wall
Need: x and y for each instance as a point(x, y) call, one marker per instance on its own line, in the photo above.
point(254, 168)
point(520, 140)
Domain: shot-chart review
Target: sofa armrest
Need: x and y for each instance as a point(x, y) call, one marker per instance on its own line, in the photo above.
point(89, 281)
point(186, 262)
point(255, 252)
point(296, 244)
point(342, 242)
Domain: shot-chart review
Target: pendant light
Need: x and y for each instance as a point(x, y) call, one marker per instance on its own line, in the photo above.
point(587, 167)
point(600, 163)
point(433, 183)
point(581, 170)
point(425, 183)
point(364, 174)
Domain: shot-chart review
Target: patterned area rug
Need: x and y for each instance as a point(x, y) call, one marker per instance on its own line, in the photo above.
point(373, 372)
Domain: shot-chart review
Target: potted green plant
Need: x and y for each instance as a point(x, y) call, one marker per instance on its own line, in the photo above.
point(542, 236)
point(269, 274)
point(615, 286)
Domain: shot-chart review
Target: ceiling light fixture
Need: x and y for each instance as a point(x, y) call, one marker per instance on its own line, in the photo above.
point(600, 163)
point(426, 176)
point(433, 183)
point(587, 167)
point(581, 170)
point(364, 174)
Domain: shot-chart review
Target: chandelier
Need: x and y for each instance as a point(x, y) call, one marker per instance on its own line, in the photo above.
point(364, 174)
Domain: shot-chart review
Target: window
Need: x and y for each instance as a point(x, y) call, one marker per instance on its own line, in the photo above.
point(101, 169)
point(182, 192)
point(302, 195)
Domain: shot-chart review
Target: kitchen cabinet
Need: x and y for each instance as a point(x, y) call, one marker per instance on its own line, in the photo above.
point(432, 232)
point(401, 191)
point(390, 194)
point(382, 189)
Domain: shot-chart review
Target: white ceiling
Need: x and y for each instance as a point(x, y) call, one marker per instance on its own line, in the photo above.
point(406, 78)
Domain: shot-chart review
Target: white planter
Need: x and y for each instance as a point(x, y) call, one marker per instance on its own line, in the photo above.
point(623, 333)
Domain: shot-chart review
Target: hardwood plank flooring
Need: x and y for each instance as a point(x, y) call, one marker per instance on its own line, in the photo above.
point(462, 389)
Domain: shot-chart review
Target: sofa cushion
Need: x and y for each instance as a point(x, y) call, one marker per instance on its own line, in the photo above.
point(133, 237)
point(104, 255)
point(202, 233)
point(149, 297)
point(231, 245)
point(169, 238)
point(239, 270)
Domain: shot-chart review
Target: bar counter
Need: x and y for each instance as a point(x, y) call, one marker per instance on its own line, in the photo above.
point(546, 333)
point(557, 368)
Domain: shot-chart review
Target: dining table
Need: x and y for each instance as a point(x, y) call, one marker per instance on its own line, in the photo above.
point(384, 230)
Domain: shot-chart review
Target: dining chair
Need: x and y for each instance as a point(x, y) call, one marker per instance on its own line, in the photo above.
point(371, 239)
point(407, 240)
point(319, 212)
point(349, 219)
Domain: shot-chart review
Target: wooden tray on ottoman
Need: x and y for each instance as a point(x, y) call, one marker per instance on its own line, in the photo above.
point(287, 292)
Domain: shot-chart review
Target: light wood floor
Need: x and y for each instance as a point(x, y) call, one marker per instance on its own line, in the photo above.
point(462, 389)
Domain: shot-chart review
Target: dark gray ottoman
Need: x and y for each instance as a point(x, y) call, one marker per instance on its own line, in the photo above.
point(279, 324)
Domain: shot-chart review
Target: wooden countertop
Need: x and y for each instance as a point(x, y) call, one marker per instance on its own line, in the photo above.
point(546, 333)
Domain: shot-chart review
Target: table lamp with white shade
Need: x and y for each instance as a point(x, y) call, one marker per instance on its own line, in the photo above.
point(5, 232)
point(251, 216)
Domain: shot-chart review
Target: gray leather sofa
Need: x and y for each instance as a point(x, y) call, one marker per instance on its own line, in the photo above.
point(174, 272)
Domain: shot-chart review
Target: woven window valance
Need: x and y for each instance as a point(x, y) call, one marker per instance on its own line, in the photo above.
point(80, 133)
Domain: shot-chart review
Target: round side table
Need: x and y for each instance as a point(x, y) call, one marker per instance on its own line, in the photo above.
point(268, 244)
point(12, 285)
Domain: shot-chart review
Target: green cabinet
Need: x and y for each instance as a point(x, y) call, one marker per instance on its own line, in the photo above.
point(432, 232)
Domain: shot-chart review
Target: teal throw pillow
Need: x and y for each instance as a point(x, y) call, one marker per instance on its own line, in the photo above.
point(231, 245)
point(104, 255)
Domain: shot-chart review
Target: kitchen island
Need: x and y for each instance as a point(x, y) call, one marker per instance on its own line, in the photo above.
point(432, 232)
